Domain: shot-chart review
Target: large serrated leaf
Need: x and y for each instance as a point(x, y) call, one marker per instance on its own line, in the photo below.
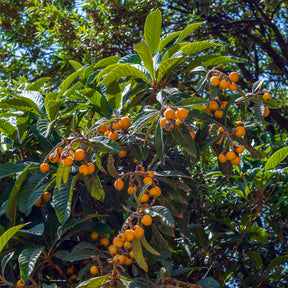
point(256, 259)
point(62, 201)
point(194, 47)
point(259, 110)
point(188, 30)
point(167, 65)
point(7, 235)
point(138, 254)
point(95, 282)
point(69, 80)
point(35, 99)
point(105, 142)
point(145, 54)
point(107, 61)
point(276, 158)
point(12, 201)
point(168, 39)
point(52, 108)
point(44, 127)
point(152, 30)
point(8, 169)
point(94, 187)
point(147, 246)
point(257, 233)
point(163, 214)
point(38, 84)
point(123, 70)
point(159, 143)
point(27, 261)
point(8, 129)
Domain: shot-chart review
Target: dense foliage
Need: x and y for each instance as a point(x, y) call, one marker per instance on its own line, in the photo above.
point(218, 207)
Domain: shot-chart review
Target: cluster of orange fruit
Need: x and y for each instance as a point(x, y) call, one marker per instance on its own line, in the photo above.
point(266, 97)
point(216, 108)
point(45, 197)
point(173, 117)
point(67, 160)
point(225, 82)
point(110, 129)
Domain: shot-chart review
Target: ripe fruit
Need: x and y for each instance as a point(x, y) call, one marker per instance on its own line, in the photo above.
point(91, 168)
point(127, 245)
point(169, 114)
point(213, 105)
point(232, 87)
point(145, 198)
point(104, 242)
point(131, 255)
point(94, 270)
point(240, 131)
point(125, 122)
point(46, 196)
point(122, 153)
point(224, 104)
point(129, 234)
point(103, 129)
point(267, 97)
point(53, 159)
point(106, 133)
point(222, 158)
point(236, 160)
point(94, 235)
point(84, 170)
point(70, 271)
point(119, 184)
point(79, 155)
point(147, 180)
point(68, 161)
point(214, 81)
point(139, 232)
point(178, 122)
point(219, 114)
point(72, 278)
point(38, 203)
point(121, 259)
point(116, 126)
point(163, 122)
point(117, 242)
point(239, 149)
point(128, 261)
point(234, 77)
point(44, 167)
point(170, 127)
point(192, 134)
point(121, 237)
point(224, 84)
point(181, 114)
point(150, 174)
point(132, 189)
point(113, 249)
point(114, 135)
point(266, 112)
point(146, 220)
point(230, 155)
point(20, 283)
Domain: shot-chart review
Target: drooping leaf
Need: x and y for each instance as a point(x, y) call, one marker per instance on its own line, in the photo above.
point(27, 261)
point(276, 158)
point(5, 261)
point(147, 246)
point(7, 235)
point(94, 187)
point(152, 30)
point(138, 254)
point(8, 169)
point(8, 129)
point(111, 167)
point(163, 214)
point(62, 173)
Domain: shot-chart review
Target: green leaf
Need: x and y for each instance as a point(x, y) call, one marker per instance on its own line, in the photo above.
point(147, 246)
point(8, 129)
point(162, 212)
point(167, 65)
point(107, 61)
point(183, 137)
point(257, 85)
point(52, 108)
point(8, 169)
point(128, 283)
point(105, 142)
point(194, 47)
point(111, 167)
point(44, 127)
point(208, 282)
point(94, 187)
point(12, 201)
point(84, 250)
point(188, 30)
point(199, 232)
point(217, 60)
point(69, 80)
point(259, 111)
point(5, 261)
point(168, 39)
point(62, 201)
point(62, 173)
point(27, 261)
point(152, 30)
point(276, 158)
point(35, 99)
point(123, 70)
point(275, 262)
point(256, 259)
point(145, 54)
point(96, 282)
point(138, 254)
point(7, 235)
point(76, 65)
point(159, 143)
point(258, 234)
point(38, 84)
